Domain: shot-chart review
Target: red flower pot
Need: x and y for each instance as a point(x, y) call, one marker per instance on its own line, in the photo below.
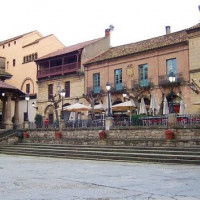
point(168, 134)
point(25, 134)
point(57, 135)
point(102, 134)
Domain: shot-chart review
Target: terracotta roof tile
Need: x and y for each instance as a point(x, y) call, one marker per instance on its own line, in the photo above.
point(69, 49)
point(14, 38)
point(3, 73)
point(153, 43)
point(5, 86)
point(194, 27)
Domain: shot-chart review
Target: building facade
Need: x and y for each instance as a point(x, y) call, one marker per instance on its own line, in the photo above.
point(141, 69)
point(64, 70)
point(19, 53)
point(194, 59)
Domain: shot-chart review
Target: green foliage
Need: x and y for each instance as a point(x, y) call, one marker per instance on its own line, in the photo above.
point(38, 119)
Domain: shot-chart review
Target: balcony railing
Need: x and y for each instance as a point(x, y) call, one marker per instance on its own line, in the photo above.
point(164, 79)
point(58, 70)
point(144, 83)
point(94, 90)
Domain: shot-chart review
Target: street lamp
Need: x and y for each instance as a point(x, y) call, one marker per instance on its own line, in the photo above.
point(27, 98)
point(108, 88)
point(62, 93)
point(172, 79)
point(34, 106)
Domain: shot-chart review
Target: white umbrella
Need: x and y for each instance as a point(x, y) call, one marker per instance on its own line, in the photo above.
point(77, 107)
point(153, 104)
point(128, 105)
point(165, 107)
point(99, 107)
point(72, 116)
point(182, 108)
point(143, 109)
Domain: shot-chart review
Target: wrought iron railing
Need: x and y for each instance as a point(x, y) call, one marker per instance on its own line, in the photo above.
point(185, 121)
point(188, 120)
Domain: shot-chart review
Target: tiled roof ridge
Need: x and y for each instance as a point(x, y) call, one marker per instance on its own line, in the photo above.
point(15, 38)
point(37, 40)
point(140, 46)
point(194, 27)
point(70, 48)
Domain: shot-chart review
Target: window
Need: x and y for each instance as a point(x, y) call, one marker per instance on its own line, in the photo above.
point(67, 89)
point(118, 79)
point(3, 46)
point(28, 88)
point(50, 91)
point(143, 75)
point(9, 44)
point(30, 58)
point(14, 62)
point(171, 67)
point(96, 83)
point(14, 42)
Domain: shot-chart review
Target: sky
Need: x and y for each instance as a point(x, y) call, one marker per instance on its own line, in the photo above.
point(75, 21)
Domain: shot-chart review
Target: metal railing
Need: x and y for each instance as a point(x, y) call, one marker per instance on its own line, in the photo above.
point(186, 121)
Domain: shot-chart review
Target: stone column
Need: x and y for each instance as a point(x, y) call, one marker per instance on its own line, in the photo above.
point(109, 122)
point(16, 114)
point(4, 111)
point(8, 120)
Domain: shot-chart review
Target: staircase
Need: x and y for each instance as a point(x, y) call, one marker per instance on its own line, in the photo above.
point(110, 153)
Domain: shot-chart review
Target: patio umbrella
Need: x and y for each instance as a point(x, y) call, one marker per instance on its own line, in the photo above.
point(165, 107)
point(72, 116)
point(153, 104)
point(99, 107)
point(143, 109)
point(77, 107)
point(182, 108)
point(128, 105)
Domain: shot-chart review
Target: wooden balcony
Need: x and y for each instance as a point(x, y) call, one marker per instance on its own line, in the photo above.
point(58, 70)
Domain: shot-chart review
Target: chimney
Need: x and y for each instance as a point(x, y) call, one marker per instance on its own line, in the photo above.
point(168, 30)
point(107, 32)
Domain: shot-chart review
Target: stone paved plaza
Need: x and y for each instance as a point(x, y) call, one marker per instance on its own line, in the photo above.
point(36, 178)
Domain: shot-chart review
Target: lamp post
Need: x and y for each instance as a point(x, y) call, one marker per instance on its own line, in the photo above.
point(27, 98)
point(108, 88)
point(172, 79)
point(62, 93)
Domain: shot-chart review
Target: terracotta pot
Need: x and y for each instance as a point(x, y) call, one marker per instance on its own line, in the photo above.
point(102, 134)
point(57, 134)
point(25, 134)
point(169, 135)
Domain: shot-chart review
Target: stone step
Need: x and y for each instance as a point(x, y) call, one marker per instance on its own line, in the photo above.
point(39, 145)
point(99, 153)
point(60, 148)
point(110, 158)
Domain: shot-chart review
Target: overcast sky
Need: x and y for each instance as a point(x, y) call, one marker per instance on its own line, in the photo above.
point(74, 21)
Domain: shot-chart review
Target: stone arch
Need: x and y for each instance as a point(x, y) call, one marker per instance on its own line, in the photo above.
point(49, 113)
point(32, 82)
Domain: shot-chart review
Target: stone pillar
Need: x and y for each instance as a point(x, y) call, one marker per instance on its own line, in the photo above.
point(16, 114)
point(109, 122)
point(4, 111)
point(8, 120)
point(171, 120)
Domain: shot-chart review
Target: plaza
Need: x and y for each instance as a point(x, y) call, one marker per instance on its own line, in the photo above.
point(38, 178)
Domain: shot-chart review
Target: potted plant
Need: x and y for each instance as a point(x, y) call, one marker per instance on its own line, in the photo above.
point(25, 134)
point(57, 135)
point(38, 120)
point(169, 134)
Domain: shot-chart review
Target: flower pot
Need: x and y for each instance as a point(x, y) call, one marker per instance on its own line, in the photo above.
point(57, 134)
point(102, 134)
point(25, 134)
point(169, 135)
